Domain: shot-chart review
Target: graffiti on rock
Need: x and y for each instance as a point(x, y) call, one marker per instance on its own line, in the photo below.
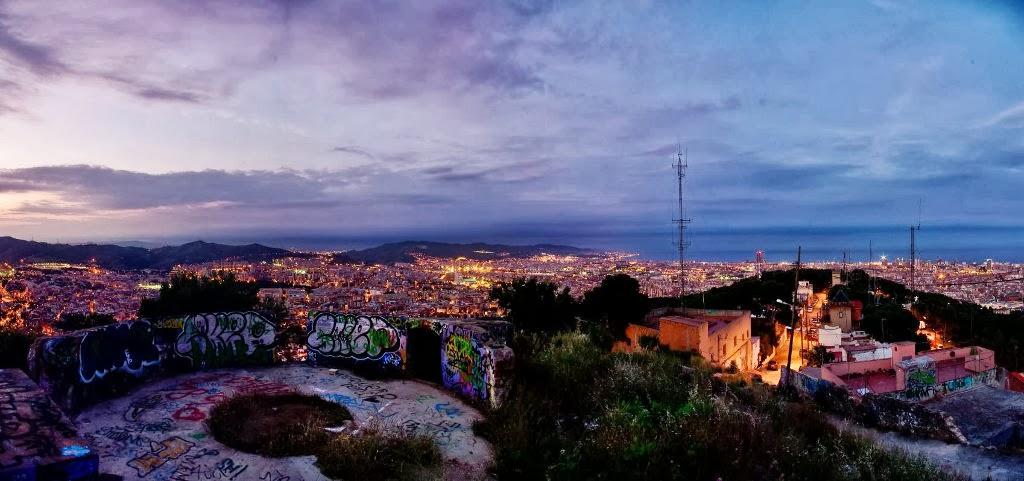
point(353, 336)
point(220, 339)
point(126, 347)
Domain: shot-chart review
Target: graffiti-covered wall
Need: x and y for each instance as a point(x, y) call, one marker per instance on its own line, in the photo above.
point(81, 367)
point(470, 356)
point(226, 339)
point(333, 336)
point(473, 362)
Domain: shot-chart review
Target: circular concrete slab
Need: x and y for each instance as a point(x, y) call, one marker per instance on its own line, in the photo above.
point(158, 431)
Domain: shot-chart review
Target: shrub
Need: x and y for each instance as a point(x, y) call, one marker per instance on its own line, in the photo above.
point(275, 425)
point(380, 453)
point(294, 425)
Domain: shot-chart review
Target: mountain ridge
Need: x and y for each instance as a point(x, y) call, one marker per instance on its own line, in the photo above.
point(113, 256)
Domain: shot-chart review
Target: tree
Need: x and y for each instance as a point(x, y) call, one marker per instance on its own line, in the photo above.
point(74, 321)
point(617, 302)
point(186, 294)
point(535, 305)
point(889, 323)
point(818, 356)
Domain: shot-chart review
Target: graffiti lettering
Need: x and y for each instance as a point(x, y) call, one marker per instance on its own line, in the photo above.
point(219, 339)
point(141, 405)
point(466, 365)
point(357, 337)
point(160, 453)
point(127, 347)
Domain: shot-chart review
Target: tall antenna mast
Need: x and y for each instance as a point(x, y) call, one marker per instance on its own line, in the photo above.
point(913, 249)
point(681, 166)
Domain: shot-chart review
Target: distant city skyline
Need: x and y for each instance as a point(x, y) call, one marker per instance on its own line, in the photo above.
point(331, 124)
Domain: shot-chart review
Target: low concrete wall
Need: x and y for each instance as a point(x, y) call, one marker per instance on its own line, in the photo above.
point(995, 377)
point(82, 367)
point(859, 367)
point(471, 357)
point(884, 412)
point(37, 441)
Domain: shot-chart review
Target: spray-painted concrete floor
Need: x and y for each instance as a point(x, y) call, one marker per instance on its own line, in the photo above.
point(158, 431)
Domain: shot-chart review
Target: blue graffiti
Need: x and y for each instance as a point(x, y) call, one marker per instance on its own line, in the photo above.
point(447, 409)
point(74, 451)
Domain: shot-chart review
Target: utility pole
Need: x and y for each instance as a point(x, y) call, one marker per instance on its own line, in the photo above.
point(842, 274)
point(913, 259)
point(792, 321)
point(681, 165)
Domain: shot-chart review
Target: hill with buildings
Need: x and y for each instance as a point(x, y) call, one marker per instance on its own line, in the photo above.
point(110, 256)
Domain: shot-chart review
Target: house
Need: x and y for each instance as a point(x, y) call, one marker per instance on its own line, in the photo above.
point(720, 336)
point(843, 312)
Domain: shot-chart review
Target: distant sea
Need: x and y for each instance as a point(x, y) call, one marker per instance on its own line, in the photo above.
point(972, 244)
point(949, 242)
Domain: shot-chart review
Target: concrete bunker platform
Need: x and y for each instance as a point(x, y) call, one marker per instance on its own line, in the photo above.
point(158, 431)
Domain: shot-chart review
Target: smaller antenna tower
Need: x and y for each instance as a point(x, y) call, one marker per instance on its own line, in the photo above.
point(913, 249)
point(681, 166)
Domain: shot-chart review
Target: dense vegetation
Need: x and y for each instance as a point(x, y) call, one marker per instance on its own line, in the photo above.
point(577, 411)
point(296, 425)
point(540, 306)
point(74, 321)
point(187, 294)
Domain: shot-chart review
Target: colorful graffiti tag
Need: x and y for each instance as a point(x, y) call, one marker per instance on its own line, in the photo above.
point(353, 336)
point(126, 347)
point(465, 364)
point(224, 338)
point(919, 391)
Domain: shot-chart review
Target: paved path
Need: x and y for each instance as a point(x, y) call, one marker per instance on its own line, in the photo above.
point(158, 432)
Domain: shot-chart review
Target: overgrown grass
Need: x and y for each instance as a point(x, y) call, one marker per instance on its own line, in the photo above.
point(380, 453)
point(295, 425)
point(579, 412)
point(275, 425)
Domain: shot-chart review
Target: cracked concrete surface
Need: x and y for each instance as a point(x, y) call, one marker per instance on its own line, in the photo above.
point(158, 433)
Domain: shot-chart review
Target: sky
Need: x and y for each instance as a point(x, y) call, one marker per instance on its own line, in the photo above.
point(336, 124)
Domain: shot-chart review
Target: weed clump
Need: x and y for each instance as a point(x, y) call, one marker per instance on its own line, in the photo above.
point(295, 424)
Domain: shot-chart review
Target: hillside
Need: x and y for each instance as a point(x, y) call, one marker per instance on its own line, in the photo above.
point(402, 251)
point(14, 251)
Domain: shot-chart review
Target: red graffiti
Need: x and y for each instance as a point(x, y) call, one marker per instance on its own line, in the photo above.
point(189, 413)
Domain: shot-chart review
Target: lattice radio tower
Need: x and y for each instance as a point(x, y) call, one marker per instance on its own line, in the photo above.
point(681, 166)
